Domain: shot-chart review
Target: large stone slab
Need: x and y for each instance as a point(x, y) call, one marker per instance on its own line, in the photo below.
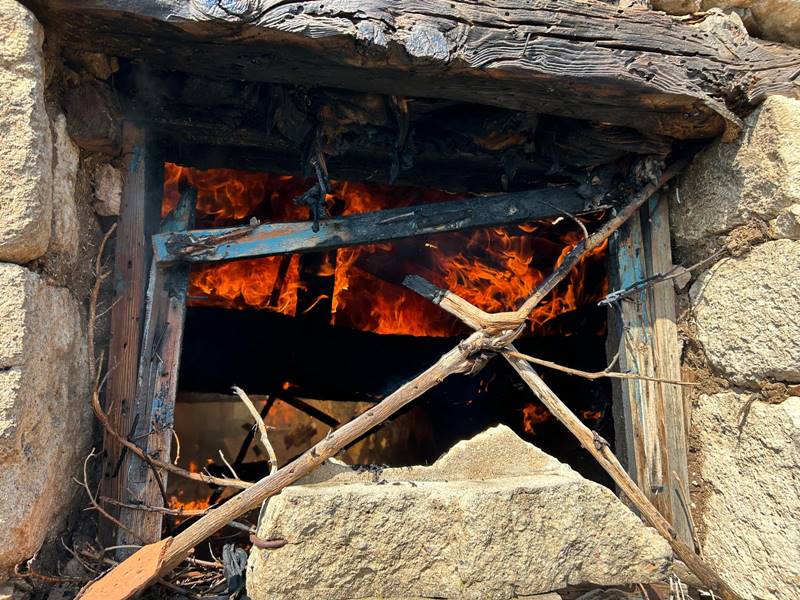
point(747, 312)
point(25, 151)
point(758, 175)
point(494, 518)
point(749, 475)
point(45, 422)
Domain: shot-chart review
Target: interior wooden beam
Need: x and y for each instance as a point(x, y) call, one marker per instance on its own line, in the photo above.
point(269, 239)
point(586, 59)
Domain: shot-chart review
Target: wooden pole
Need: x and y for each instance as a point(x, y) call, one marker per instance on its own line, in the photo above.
point(154, 560)
point(593, 443)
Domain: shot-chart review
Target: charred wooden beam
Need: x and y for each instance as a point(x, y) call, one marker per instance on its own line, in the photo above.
point(208, 245)
point(449, 145)
point(585, 59)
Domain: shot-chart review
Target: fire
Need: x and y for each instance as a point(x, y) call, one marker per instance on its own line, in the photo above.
point(494, 268)
point(197, 504)
point(532, 415)
point(591, 415)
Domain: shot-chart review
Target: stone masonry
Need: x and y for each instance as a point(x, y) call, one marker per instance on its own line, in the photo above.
point(45, 420)
point(744, 318)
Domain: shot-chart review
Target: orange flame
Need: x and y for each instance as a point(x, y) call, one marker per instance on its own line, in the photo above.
point(494, 268)
point(591, 415)
point(532, 415)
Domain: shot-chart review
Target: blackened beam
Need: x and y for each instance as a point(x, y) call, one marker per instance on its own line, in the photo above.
point(269, 239)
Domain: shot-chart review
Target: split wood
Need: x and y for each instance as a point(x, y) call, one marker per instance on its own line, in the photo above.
point(101, 275)
point(495, 332)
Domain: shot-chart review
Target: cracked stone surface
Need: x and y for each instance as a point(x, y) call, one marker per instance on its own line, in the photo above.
point(749, 457)
point(45, 420)
point(494, 518)
point(747, 312)
point(26, 151)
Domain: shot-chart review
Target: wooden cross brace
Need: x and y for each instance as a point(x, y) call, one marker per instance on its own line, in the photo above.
point(495, 333)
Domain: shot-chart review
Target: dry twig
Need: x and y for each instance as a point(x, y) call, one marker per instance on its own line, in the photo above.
point(85, 485)
point(596, 374)
point(262, 428)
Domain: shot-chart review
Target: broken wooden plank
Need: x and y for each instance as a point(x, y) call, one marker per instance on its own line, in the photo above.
point(138, 220)
point(670, 406)
point(583, 59)
point(157, 384)
point(646, 411)
point(208, 245)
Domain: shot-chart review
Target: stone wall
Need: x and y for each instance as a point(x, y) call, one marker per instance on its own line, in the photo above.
point(777, 20)
point(49, 234)
point(742, 334)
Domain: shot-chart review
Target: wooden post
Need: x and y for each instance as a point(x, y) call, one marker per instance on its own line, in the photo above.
point(138, 220)
point(157, 384)
point(649, 416)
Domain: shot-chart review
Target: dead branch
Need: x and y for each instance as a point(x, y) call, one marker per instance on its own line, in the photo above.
point(100, 275)
point(227, 464)
point(175, 512)
point(103, 512)
point(600, 450)
point(262, 429)
point(596, 374)
point(209, 479)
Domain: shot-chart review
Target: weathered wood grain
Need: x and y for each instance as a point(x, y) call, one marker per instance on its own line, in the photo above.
point(137, 221)
point(670, 405)
point(650, 415)
point(157, 384)
point(585, 59)
point(208, 245)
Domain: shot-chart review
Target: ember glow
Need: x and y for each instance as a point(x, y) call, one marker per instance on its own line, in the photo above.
point(494, 268)
point(533, 415)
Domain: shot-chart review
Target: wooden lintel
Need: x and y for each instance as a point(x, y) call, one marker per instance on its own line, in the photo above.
point(208, 245)
point(578, 58)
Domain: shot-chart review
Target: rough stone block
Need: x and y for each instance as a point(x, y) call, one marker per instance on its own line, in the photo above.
point(777, 20)
point(107, 190)
point(45, 422)
point(25, 153)
point(94, 117)
point(749, 470)
point(746, 310)
point(787, 224)
point(495, 518)
point(65, 213)
point(758, 175)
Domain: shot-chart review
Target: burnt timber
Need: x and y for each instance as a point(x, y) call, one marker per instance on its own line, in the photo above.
point(269, 239)
point(684, 78)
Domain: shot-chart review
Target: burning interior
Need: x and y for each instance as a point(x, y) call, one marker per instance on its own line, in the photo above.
point(317, 338)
